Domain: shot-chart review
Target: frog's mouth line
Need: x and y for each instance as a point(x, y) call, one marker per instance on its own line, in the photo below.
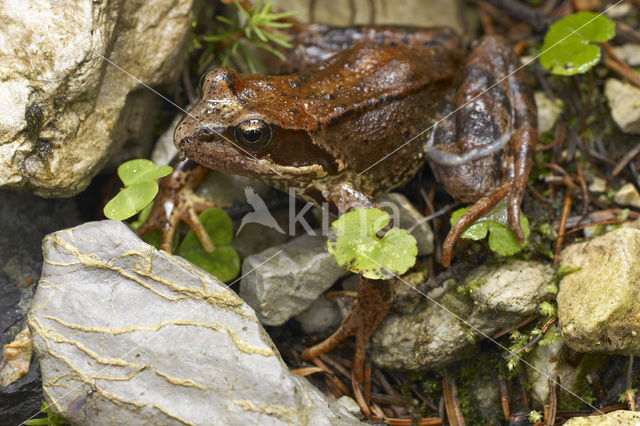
point(228, 159)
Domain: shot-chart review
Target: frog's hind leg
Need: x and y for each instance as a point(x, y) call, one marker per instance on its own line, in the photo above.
point(496, 113)
point(375, 297)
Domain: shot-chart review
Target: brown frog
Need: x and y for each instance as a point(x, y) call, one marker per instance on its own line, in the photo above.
point(359, 116)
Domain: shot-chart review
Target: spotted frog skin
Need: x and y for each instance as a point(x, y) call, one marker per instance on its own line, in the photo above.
point(356, 114)
point(360, 122)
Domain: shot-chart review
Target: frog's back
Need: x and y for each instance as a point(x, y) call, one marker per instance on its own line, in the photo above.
point(358, 106)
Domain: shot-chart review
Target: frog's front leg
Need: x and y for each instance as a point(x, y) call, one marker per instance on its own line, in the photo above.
point(375, 297)
point(176, 202)
point(495, 124)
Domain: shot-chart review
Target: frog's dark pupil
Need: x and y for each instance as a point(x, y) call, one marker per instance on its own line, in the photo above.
point(253, 133)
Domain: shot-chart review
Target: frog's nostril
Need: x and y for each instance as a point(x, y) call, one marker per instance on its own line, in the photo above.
point(205, 132)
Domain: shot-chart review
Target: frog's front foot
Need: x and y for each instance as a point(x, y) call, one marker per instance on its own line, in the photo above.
point(375, 297)
point(176, 202)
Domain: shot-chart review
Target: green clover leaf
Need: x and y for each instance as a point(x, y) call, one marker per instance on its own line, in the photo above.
point(568, 48)
point(496, 223)
point(356, 247)
point(140, 188)
point(223, 262)
point(131, 200)
point(141, 170)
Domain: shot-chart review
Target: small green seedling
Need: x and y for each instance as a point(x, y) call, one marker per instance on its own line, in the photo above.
point(258, 28)
point(356, 247)
point(496, 223)
point(140, 188)
point(223, 262)
point(51, 419)
point(547, 309)
point(535, 416)
point(568, 45)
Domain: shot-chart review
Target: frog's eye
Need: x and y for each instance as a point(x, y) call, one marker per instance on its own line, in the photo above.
point(253, 133)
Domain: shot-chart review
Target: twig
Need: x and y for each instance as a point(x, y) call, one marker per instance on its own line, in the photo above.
point(332, 377)
point(485, 18)
point(538, 20)
point(520, 324)
point(585, 191)
point(533, 341)
point(451, 403)
point(306, 371)
point(525, 398)
point(589, 225)
point(566, 208)
point(504, 398)
point(431, 421)
point(357, 393)
point(558, 137)
point(625, 160)
point(630, 373)
point(553, 403)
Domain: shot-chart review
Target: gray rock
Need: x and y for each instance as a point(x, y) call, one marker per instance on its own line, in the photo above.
point(624, 99)
point(548, 111)
point(126, 334)
point(425, 13)
point(24, 220)
point(66, 109)
point(557, 360)
point(321, 316)
point(491, 298)
point(283, 281)
point(411, 219)
point(615, 418)
point(598, 307)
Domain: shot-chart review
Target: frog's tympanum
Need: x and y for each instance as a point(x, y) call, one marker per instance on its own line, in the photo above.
point(358, 114)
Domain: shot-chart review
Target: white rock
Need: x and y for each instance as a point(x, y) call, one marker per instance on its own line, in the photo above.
point(350, 404)
point(630, 53)
point(52, 69)
point(598, 307)
point(615, 418)
point(624, 101)
point(126, 335)
point(548, 111)
point(628, 195)
point(598, 185)
point(557, 360)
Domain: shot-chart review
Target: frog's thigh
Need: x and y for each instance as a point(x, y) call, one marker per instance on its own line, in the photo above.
point(484, 98)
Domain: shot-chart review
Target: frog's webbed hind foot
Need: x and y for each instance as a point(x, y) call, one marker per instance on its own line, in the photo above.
point(176, 202)
point(481, 207)
point(375, 297)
